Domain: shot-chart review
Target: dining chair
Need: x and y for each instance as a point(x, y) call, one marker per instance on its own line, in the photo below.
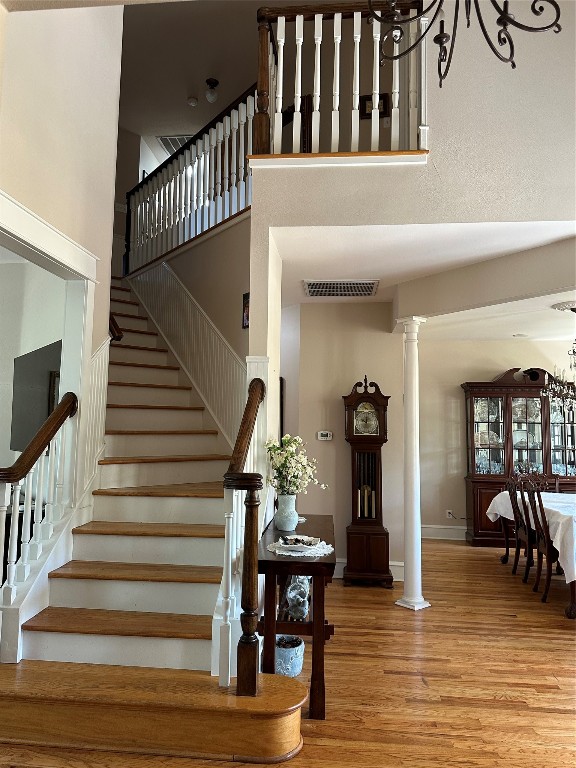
point(524, 534)
point(544, 546)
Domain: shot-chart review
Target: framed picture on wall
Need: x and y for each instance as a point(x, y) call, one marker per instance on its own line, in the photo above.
point(366, 106)
point(245, 310)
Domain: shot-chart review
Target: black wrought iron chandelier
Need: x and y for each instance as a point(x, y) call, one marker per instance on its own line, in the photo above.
point(395, 18)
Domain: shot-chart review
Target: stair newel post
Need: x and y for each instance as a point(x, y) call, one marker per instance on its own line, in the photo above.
point(224, 669)
point(248, 645)
point(262, 116)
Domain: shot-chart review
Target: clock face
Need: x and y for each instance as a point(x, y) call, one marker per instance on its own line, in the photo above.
point(366, 420)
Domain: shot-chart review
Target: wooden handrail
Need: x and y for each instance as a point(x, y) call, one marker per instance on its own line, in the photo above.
point(256, 393)
point(328, 10)
point(66, 408)
point(114, 329)
point(251, 482)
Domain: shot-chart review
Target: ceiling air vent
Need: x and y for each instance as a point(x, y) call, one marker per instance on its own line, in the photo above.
point(340, 288)
point(173, 143)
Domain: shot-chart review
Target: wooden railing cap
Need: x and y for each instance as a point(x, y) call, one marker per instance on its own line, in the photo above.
point(289, 12)
point(243, 481)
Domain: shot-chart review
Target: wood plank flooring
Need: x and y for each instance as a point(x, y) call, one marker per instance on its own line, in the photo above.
point(485, 678)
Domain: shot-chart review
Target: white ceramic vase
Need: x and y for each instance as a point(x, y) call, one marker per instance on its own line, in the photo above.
point(286, 517)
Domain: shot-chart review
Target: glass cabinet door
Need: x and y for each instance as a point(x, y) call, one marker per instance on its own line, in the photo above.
point(488, 435)
point(527, 451)
point(562, 438)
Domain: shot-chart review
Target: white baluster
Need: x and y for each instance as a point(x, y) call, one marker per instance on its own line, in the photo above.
point(175, 187)
point(182, 175)
point(5, 491)
point(9, 591)
point(395, 111)
point(375, 125)
point(153, 232)
point(219, 138)
point(36, 543)
point(280, 40)
point(145, 223)
point(61, 468)
point(297, 124)
point(212, 182)
point(250, 120)
point(133, 229)
point(206, 183)
point(226, 167)
point(316, 93)
point(48, 522)
point(336, 83)
point(234, 165)
point(241, 157)
point(187, 179)
point(23, 567)
point(199, 185)
point(272, 69)
point(164, 211)
point(356, 83)
point(224, 670)
point(413, 92)
point(423, 127)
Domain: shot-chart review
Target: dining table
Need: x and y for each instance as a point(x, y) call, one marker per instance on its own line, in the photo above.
point(560, 510)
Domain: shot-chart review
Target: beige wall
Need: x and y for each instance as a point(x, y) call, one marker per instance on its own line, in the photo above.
point(216, 271)
point(339, 344)
point(58, 124)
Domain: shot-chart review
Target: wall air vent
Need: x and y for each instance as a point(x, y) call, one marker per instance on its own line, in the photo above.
point(340, 288)
point(173, 143)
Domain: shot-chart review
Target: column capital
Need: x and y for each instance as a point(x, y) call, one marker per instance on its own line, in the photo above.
point(413, 320)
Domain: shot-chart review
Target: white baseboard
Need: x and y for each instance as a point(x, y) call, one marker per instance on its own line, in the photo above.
point(447, 532)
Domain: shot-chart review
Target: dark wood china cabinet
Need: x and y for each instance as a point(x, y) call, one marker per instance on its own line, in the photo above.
point(512, 427)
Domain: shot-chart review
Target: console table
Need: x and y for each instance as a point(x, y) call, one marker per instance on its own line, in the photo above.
point(277, 569)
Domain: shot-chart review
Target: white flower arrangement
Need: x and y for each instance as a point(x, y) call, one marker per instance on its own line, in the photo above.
point(292, 470)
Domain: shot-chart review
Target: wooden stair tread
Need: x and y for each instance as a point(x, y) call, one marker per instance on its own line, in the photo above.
point(154, 407)
point(91, 621)
point(163, 530)
point(148, 386)
point(137, 330)
point(161, 432)
point(124, 301)
point(153, 572)
point(140, 686)
point(121, 345)
point(164, 459)
point(157, 366)
point(127, 314)
point(211, 490)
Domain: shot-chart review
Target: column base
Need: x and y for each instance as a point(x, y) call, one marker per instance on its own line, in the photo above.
point(414, 605)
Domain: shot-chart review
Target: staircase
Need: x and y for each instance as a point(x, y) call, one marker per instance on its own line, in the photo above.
point(155, 546)
point(141, 589)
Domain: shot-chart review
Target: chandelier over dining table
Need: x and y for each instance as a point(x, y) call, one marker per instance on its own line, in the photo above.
point(396, 15)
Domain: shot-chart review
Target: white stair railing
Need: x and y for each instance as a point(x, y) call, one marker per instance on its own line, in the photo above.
point(31, 498)
point(202, 184)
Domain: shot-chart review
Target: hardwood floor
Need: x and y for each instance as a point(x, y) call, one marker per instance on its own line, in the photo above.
point(485, 678)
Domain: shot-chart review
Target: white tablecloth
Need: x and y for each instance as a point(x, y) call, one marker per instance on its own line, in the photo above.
point(560, 511)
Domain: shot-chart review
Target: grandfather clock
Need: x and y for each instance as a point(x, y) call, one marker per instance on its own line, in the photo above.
point(366, 538)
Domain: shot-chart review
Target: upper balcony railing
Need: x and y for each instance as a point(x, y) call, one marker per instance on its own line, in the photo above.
point(320, 90)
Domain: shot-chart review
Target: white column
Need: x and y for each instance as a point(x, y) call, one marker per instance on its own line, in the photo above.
point(412, 597)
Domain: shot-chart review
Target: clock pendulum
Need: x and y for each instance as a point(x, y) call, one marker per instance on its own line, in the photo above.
point(366, 538)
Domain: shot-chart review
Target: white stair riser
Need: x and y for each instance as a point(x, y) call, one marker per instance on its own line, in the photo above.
point(150, 596)
point(135, 323)
point(154, 509)
point(164, 445)
point(125, 651)
point(139, 339)
point(163, 473)
point(148, 396)
point(143, 418)
point(149, 549)
point(123, 355)
point(119, 305)
point(143, 375)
